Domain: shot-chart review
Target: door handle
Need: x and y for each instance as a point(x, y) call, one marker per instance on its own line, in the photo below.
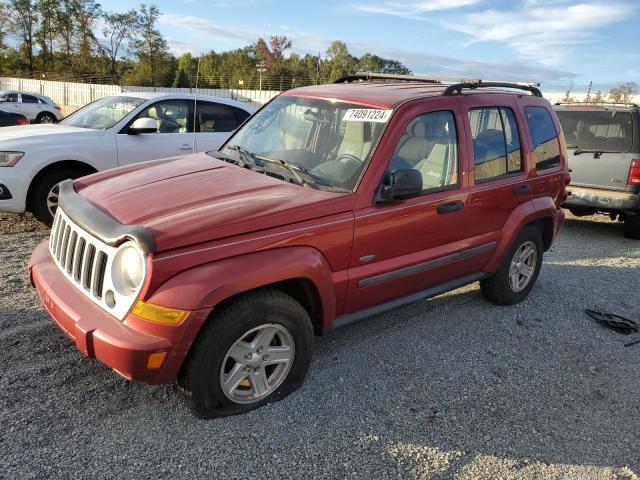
point(522, 189)
point(450, 207)
point(186, 146)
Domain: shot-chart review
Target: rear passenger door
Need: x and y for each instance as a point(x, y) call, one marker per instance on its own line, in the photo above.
point(499, 176)
point(214, 123)
point(404, 247)
point(11, 103)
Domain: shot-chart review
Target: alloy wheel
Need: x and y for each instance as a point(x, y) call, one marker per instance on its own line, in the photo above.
point(52, 199)
point(257, 363)
point(523, 266)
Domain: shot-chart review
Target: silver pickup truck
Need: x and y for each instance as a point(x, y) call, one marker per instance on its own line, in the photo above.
point(603, 143)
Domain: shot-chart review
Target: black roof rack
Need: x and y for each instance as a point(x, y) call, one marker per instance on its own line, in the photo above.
point(604, 103)
point(458, 87)
point(454, 85)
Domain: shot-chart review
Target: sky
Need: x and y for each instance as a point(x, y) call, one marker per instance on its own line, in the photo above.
point(564, 44)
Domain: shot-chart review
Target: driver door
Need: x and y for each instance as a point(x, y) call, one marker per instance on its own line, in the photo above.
point(407, 246)
point(173, 137)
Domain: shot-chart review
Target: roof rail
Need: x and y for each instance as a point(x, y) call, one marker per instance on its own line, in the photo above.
point(458, 87)
point(619, 104)
point(454, 85)
point(365, 76)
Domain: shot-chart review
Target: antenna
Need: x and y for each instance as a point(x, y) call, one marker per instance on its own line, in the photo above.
point(195, 104)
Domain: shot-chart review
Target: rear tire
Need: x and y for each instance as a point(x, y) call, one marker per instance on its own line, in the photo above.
point(632, 227)
point(46, 117)
point(226, 345)
point(508, 285)
point(42, 196)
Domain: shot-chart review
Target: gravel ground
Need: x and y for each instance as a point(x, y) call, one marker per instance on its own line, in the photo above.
point(450, 388)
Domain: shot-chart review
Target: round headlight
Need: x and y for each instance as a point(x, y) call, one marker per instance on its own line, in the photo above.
point(128, 270)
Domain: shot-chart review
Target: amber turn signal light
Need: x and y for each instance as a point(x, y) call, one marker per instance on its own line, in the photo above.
point(158, 314)
point(155, 360)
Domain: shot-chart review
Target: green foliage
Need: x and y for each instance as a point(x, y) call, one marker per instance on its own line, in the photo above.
point(623, 93)
point(76, 40)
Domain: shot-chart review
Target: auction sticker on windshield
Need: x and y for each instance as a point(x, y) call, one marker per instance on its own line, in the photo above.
point(367, 115)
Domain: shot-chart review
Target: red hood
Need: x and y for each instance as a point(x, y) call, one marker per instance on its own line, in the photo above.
point(197, 198)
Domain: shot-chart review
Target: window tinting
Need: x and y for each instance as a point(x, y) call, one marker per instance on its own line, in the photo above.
point(29, 99)
point(546, 148)
point(216, 117)
point(11, 97)
point(606, 130)
point(496, 143)
point(429, 144)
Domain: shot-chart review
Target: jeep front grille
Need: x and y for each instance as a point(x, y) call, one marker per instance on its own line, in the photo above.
point(86, 262)
point(81, 257)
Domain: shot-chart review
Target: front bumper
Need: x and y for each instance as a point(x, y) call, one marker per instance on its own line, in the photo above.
point(16, 180)
point(602, 199)
point(96, 333)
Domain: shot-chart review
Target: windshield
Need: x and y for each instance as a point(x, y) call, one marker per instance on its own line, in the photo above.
point(330, 141)
point(103, 113)
point(606, 130)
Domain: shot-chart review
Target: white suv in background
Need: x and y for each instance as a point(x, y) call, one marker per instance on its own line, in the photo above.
point(110, 132)
point(37, 108)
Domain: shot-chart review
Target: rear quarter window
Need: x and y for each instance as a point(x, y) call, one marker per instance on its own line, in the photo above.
point(546, 147)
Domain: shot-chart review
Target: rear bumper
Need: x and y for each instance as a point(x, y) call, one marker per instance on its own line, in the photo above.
point(96, 333)
point(602, 199)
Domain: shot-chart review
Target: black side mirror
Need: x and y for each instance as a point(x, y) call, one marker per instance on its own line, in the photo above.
point(400, 185)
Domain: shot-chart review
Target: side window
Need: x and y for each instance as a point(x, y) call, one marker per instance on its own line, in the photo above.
point(429, 144)
point(215, 117)
point(29, 99)
point(241, 115)
point(11, 97)
point(496, 143)
point(172, 116)
point(546, 148)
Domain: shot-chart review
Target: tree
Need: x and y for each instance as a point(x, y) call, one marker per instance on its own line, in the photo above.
point(86, 14)
point(373, 63)
point(48, 13)
point(186, 73)
point(568, 98)
point(598, 97)
point(273, 54)
point(622, 93)
point(23, 22)
point(118, 29)
point(340, 62)
point(150, 47)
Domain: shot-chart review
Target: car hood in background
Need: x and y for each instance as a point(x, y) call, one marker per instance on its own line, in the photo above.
point(28, 131)
point(197, 198)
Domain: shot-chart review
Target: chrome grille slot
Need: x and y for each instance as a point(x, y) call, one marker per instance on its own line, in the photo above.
point(86, 262)
point(71, 250)
point(98, 275)
point(77, 262)
point(87, 268)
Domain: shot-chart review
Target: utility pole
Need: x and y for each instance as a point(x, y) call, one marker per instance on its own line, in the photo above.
point(261, 68)
point(588, 99)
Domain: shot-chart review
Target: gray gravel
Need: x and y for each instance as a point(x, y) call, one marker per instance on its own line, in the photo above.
point(451, 388)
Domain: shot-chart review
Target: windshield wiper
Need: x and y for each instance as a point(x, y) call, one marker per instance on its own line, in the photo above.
point(245, 157)
point(294, 169)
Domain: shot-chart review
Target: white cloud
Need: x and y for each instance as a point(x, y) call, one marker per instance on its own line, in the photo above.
point(420, 63)
point(413, 9)
point(540, 31)
point(208, 28)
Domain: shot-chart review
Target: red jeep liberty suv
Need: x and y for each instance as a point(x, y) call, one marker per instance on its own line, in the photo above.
point(330, 204)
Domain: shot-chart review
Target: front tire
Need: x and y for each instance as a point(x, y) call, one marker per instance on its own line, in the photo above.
point(43, 199)
point(519, 270)
point(46, 117)
point(256, 349)
point(632, 227)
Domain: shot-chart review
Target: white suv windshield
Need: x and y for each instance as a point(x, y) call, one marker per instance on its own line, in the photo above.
point(330, 141)
point(103, 113)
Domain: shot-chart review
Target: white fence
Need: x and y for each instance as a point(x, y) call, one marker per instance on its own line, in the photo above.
point(75, 95)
